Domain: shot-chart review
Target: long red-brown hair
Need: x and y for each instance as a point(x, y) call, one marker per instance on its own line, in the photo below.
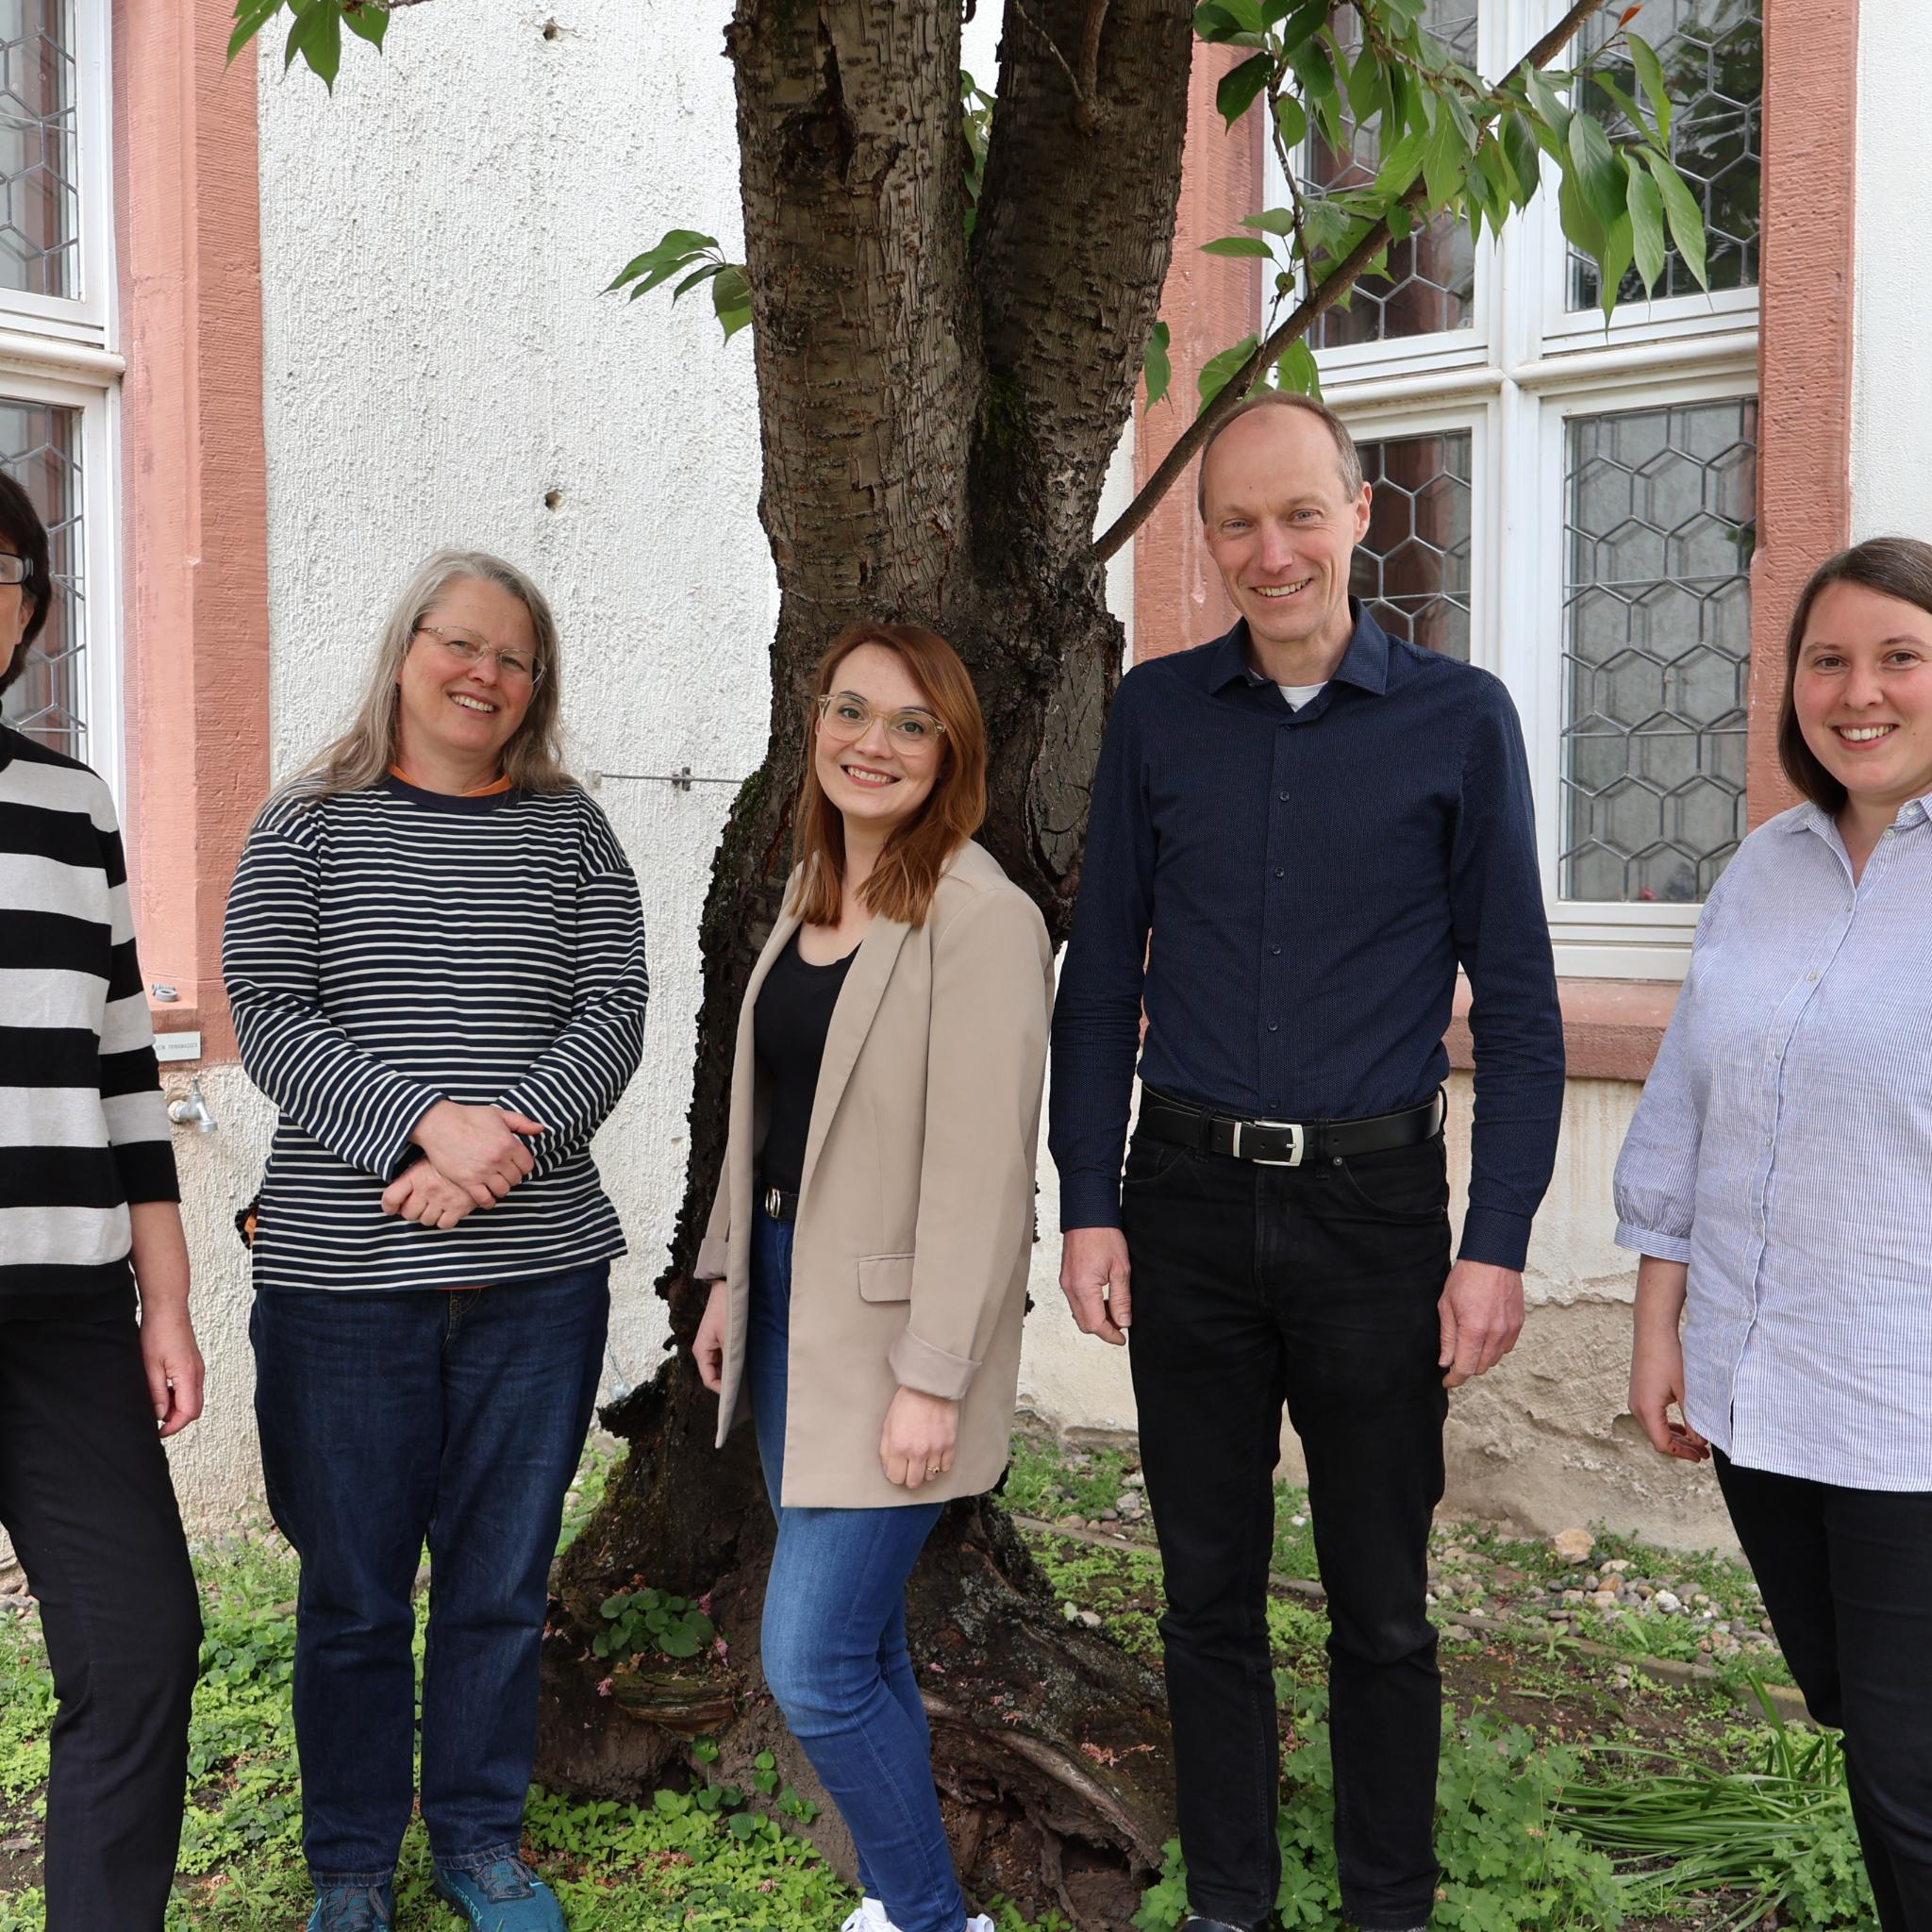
point(907, 872)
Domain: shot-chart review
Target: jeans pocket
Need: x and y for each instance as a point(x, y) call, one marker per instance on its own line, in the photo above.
point(1152, 1161)
point(1408, 1186)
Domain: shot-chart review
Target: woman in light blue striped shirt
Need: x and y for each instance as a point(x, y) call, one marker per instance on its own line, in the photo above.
point(1777, 1182)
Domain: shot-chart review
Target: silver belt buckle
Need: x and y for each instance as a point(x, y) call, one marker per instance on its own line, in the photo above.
point(774, 1201)
point(1297, 1142)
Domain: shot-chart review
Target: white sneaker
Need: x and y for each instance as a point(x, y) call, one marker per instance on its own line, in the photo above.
point(980, 1924)
point(870, 1917)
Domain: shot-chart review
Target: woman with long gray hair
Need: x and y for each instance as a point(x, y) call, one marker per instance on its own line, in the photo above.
point(435, 961)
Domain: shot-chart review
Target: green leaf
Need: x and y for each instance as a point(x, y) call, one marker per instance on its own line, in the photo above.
point(743, 1826)
point(1579, 220)
point(1401, 164)
point(691, 281)
point(1681, 210)
point(1293, 119)
point(251, 16)
point(1155, 365)
point(1615, 264)
point(1214, 23)
point(731, 303)
point(660, 264)
point(1646, 211)
point(1445, 161)
point(1236, 244)
point(1294, 368)
point(1597, 174)
point(368, 21)
point(1519, 144)
point(1220, 369)
point(1365, 84)
point(1650, 72)
point(765, 1762)
point(1493, 164)
point(1236, 95)
point(1625, 106)
point(1543, 98)
point(317, 37)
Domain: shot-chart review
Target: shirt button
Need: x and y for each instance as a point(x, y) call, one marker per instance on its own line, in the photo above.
point(1890, 832)
point(1811, 975)
point(1274, 1026)
point(1283, 796)
point(1275, 950)
point(1278, 875)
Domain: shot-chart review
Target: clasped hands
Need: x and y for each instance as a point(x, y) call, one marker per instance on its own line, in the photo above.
point(472, 1158)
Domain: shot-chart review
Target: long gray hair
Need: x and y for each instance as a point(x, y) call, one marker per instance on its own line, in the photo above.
point(532, 760)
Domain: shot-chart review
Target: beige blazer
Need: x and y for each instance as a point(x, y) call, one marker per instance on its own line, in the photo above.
point(915, 1216)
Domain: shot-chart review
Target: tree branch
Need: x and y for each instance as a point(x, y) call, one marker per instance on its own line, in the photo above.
point(1086, 82)
point(1318, 302)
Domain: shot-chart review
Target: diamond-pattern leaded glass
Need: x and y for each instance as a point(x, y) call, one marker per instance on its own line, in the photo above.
point(1412, 568)
point(1656, 647)
point(1431, 281)
point(40, 198)
point(1712, 54)
point(40, 446)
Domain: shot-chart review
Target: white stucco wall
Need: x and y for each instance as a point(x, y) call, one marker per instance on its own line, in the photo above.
point(1891, 299)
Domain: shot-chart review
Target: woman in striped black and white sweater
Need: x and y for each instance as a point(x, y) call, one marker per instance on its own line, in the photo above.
point(435, 957)
point(89, 1232)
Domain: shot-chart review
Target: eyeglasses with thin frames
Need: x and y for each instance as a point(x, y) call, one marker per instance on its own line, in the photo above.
point(846, 718)
point(513, 666)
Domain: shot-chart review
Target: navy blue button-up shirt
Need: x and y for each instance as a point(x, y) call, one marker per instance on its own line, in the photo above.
point(1288, 894)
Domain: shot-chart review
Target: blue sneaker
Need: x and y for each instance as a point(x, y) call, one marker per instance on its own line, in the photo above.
point(354, 1908)
point(502, 1897)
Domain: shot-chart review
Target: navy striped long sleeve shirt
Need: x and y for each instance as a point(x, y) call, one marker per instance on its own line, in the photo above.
point(1288, 893)
point(390, 948)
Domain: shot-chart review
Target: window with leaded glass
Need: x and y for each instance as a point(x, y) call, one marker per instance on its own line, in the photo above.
point(1712, 55)
point(1413, 569)
point(1656, 648)
point(1430, 285)
point(40, 193)
point(39, 447)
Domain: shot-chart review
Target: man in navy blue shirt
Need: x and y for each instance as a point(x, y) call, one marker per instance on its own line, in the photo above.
point(1297, 834)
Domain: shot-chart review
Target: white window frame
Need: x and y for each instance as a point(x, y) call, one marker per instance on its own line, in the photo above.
point(60, 350)
point(1515, 377)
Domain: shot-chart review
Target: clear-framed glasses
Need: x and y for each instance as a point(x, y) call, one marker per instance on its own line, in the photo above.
point(843, 717)
point(14, 570)
point(514, 667)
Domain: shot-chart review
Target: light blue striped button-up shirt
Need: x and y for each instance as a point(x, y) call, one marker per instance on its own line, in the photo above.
point(1783, 1148)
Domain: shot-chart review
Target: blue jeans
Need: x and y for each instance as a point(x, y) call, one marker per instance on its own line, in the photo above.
point(835, 1642)
point(390, 1419)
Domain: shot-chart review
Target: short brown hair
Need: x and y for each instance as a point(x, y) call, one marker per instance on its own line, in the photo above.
point(907, 872)
point(1897, 567)
point(1345, 451)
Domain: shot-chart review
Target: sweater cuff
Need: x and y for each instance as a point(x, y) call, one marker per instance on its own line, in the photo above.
point(918, 1364)
point(1495, 1236)
point(1090, 1200)
point(1651, 1240)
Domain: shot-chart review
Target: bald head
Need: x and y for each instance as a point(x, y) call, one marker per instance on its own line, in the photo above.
point(1346, 454)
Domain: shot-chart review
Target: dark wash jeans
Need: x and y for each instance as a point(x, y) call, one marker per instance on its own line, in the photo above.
point(85, 1493)
point(1847, 1582)
point(391, 1419)
point(1318, 1287)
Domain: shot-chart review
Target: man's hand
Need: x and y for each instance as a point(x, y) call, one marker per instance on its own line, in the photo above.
point(1094, 1278)
point(917, 1441)
point(1481, 1310)
point(422, 1193)
point(707, 1345)
point(476, 1147)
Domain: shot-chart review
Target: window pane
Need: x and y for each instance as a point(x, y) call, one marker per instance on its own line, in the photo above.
point(1413, 569)
point(39, 199)
point(1712, 52)
point(1661, 519)
point(1431, 281)
point(40, 446)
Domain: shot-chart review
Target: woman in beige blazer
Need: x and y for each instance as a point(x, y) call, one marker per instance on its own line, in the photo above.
point(870, 1245)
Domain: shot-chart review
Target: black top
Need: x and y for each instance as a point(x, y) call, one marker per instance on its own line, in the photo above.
point(789, 1028)
point(1311, 878)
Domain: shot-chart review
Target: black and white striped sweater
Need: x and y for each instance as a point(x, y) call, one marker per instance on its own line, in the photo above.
point(390, 948)
point(82, 1130)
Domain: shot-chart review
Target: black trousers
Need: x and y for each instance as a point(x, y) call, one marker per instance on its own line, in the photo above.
point(1847, 1581)
point(86, 1496)
point(1318, 1287)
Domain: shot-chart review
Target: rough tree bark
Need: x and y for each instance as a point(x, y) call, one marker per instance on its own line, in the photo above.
point(937, 422)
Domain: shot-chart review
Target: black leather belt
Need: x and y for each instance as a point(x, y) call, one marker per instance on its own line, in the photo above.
point(778, 1203)
point(1286, 1143)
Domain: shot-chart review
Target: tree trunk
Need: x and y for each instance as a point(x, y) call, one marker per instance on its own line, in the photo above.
point(937, 425)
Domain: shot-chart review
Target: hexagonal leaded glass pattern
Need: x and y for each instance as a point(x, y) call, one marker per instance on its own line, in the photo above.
point(1412, 568)
point(1712, 52)
point(1656, 647)
point(40, 446)
point(40, 198)
point(1431, 281)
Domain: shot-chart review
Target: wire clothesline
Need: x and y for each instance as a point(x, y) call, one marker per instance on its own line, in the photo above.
point(680, 780)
